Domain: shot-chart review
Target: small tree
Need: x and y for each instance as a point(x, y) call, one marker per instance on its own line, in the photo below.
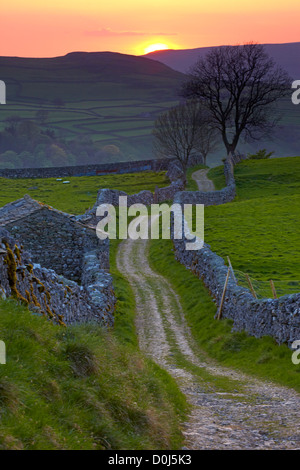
point(260, 155)
point(239, 85)
point(208, 140)
point(182, 132)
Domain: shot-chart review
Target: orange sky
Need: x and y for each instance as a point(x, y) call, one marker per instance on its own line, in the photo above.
point(50, 28)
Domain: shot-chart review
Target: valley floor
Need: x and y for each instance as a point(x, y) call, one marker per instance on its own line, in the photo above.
point(230, 410)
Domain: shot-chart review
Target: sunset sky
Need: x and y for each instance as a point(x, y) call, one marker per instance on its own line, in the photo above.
point(33, 28)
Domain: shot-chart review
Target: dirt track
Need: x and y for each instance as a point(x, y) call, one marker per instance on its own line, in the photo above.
point(204, 184)
point(245, 413)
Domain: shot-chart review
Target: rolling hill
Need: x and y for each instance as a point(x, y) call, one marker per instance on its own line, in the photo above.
point(105, 100)
point(107, 97)
point(286, 55)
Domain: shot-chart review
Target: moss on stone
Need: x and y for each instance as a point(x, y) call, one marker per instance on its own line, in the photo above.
point(12, 265)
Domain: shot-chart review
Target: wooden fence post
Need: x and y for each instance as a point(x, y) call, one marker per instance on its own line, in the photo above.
point(273, 289)
point(231, 268)
point(251, 286)
point(223, 295)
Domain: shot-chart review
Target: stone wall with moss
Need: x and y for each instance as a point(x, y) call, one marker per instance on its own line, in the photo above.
point(111, 196)
point(279, 318)
point(57, 242)
point(49, 294)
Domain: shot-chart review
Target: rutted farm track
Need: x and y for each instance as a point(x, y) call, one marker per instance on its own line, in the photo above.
point(229, 410)
point(203, 182)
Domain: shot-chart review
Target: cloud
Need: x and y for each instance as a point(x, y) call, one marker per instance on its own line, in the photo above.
point(107, 32)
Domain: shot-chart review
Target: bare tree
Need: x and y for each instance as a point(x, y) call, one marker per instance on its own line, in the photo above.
point(239, 85)
point(208, 136)
point(184, 131)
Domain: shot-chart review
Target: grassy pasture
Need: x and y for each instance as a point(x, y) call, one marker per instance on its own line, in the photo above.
point(261, 357)
point(81, 193)
point(82, 388)
point(260, 229)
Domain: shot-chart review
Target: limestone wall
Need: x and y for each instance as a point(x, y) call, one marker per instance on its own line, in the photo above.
point(211, 198)
point(159, 164)
point(88, 170)
point(56, 241)
point(47, 293)
point(279, 318)
point(111, 196)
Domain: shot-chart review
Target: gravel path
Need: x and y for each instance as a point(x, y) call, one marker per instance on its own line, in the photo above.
point(229, 410)
point(204, 184)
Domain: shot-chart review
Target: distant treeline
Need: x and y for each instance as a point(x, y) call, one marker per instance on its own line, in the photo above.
point(28, 143)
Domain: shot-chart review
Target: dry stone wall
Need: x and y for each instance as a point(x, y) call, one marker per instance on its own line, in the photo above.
point(211, 198)
point(111, 196)
point(56, 241)
point(47, 293)
point(279, 318)
point(88, 170)
point(158, 164)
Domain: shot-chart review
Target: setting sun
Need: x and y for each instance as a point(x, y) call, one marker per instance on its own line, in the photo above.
point(155, 47)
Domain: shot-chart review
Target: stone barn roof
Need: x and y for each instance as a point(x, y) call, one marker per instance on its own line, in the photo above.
point(54, 239)
point(24, 207)
point(18, 209)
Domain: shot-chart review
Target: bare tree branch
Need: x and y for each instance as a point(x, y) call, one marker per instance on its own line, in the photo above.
point(184, 131)
point(240, 86)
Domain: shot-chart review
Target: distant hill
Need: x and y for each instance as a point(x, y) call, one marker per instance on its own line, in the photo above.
point(109, 98)
point(100, 107)
point(286, 55)
point(88, 67)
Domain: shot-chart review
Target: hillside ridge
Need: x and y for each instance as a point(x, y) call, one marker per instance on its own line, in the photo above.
point(285, 54)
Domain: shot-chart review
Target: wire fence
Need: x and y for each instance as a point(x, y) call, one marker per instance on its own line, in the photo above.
point(263, 289)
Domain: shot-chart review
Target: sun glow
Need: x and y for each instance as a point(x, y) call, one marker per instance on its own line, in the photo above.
point(155, 47)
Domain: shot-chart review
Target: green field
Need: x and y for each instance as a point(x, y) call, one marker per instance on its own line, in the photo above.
point(101, 95)
point(81, 193)
point(259, 230)
point(261, 357)
point(60, 388)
